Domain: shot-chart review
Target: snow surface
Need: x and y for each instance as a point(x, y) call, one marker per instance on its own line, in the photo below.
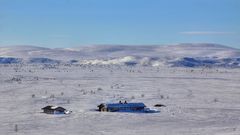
point(198, 83)
point(198, 100)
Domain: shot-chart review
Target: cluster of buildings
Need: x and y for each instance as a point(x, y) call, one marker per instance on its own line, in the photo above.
point(105, 107)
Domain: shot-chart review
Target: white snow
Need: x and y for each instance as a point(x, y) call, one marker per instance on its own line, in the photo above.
point(116, 51)
point(167, 55)
point(54, 107)
point(199, 101)
point(117, 61)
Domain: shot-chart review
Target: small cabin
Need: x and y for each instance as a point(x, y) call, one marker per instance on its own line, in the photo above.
point(55, 110)
point(122, 107)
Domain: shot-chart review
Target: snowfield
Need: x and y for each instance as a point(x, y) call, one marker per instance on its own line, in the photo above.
point(198, 100)
point(198, 83)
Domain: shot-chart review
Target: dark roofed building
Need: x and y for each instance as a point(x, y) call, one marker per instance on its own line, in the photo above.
point(122, 107)
point(55, 110)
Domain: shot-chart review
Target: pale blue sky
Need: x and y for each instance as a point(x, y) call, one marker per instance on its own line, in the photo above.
point(69, 23)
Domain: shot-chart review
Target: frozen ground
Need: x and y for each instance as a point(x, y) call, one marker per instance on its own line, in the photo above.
point(200, 101)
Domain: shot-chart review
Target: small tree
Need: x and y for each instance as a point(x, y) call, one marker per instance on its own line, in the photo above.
point(52, 96)
point(68, 101)
point(16, 128)
point(215, 100)
point(99, 89)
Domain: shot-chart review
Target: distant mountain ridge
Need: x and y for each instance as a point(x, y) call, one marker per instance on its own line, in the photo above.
point(186, 55)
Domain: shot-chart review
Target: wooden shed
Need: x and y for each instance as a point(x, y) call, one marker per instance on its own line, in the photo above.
point(55, 110)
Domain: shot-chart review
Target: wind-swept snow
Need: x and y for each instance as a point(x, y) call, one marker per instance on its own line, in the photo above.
point(202, 99)
point(198, 100)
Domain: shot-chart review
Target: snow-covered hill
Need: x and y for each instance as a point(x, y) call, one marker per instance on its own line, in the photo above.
point(187, 55)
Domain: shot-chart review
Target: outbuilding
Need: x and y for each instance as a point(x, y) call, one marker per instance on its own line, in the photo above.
point(55, 110)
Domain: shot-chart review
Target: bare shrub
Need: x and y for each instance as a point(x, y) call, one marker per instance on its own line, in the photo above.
point(92, 92)
point(99, 89)
point(16, 128)
point(68, 101)
point(52, 96)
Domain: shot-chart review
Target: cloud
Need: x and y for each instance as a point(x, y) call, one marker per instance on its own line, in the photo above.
point(206, 33)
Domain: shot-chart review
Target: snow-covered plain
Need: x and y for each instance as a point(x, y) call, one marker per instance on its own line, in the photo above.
point(199, 101)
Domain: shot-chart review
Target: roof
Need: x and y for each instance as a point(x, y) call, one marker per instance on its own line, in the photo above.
point(49, 107)
point(128, 105)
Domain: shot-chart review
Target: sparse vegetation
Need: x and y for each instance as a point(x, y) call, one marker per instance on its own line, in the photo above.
point(16, 128)
point(52, 96)
point(99, 89)
point(215, 100)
